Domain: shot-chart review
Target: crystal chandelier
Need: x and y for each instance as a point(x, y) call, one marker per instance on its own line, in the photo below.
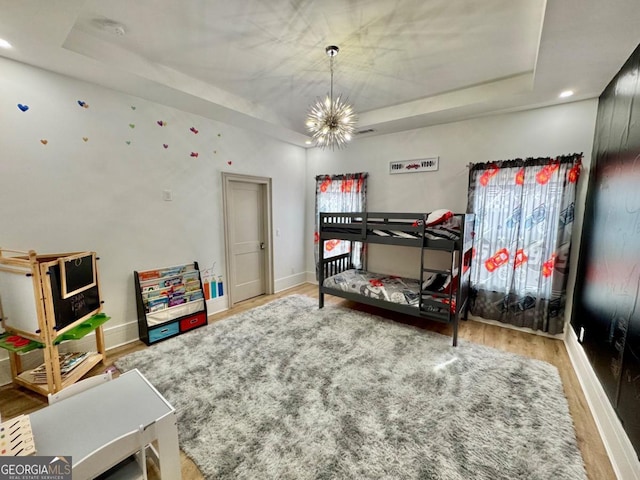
point(331, 122)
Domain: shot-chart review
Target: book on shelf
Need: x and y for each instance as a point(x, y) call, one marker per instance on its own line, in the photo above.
point(149, 275)
point(68, 362)
point(159, 274)
point(194, 295)
point(192, 284)
point(191, 277)
point(156, 304)
point(172, 271)
point(177, 300)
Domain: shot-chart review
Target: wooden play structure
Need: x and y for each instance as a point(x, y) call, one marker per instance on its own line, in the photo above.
point(46, 300)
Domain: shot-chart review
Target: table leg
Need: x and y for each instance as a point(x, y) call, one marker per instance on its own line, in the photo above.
point(168, 448)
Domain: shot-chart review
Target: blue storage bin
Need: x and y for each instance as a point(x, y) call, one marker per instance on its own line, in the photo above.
point(164, 331)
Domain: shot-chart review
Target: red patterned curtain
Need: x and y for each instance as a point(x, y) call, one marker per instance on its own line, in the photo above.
point(524, 219)
point(339, 194)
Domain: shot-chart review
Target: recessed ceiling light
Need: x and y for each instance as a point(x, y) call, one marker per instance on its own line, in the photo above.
point(308, 142)
point(111, 26)
point(566, 93)
point(4, 43)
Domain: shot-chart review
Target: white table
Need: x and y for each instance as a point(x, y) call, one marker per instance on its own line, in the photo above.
point(81, 424)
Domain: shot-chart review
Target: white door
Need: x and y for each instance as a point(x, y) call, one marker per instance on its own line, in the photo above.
point(247, 239)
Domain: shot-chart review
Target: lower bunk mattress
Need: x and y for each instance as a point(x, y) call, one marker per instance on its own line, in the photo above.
point(390, 288)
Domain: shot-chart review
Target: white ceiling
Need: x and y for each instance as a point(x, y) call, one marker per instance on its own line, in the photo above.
point(403, 64)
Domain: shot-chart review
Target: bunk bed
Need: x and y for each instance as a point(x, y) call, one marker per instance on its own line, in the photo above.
point(435, 294)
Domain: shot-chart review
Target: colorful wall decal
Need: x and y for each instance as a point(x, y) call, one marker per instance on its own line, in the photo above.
point(215, 152)
point(219, 134)
point(128, 142)
point(162, 123)
point(193, 129)
point(132, 125)
point(229, 162)
point(85, 139)
point(133, 107)
point(212, 284)
point(83, 104)
point(44, 141)
point(23, 107)
point(165, 145)
point(194, 154)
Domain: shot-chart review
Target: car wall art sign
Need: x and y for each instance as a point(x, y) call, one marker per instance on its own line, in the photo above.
point(412, 166)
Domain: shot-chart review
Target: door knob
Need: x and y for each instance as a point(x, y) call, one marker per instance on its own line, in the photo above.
point(261, 245)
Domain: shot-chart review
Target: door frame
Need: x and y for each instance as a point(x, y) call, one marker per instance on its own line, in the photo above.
point(265, 182)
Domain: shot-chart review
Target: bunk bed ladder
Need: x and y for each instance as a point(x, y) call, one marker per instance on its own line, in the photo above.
point(455, 266)
point(422, 249)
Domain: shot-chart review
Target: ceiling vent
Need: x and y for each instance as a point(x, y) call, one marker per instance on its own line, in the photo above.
point(366, 130)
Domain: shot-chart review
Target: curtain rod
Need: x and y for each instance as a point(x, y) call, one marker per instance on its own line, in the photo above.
point(561, 158)
point(341, 176)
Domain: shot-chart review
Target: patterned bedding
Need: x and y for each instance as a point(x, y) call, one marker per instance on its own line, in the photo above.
point(433, 233)
point(382, 287)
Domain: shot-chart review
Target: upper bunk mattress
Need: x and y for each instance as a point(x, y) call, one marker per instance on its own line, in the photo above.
point(432, 233)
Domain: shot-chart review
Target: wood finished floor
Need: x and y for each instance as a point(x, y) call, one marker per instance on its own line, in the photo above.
point(16, 400)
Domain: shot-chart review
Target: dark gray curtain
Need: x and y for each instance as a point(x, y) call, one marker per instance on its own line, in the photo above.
point(524, 218)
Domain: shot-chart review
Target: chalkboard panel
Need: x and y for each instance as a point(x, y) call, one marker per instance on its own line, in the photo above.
point(75, 307)
point(77, 274)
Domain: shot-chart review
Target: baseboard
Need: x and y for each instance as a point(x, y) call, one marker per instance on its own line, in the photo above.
point(5, 371)
point(216, 305)
point(311, 278)
point(114, 337)
point(621, 453)
point(559, 336)
point(290, 281)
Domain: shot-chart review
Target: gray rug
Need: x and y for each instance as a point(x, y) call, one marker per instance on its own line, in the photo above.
point(287, 391)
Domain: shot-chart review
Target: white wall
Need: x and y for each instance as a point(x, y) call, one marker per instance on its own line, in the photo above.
point(105, 195)
point(550, 131)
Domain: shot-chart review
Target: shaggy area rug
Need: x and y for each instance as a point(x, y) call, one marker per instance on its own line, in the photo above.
point(287, 391)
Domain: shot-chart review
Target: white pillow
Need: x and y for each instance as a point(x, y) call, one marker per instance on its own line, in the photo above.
point(438, 216)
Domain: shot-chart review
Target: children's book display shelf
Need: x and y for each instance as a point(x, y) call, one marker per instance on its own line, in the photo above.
point(170, 301)
point(46, 300)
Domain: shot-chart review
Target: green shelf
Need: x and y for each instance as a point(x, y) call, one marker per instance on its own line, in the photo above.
point(4, 343)
point(79, 331)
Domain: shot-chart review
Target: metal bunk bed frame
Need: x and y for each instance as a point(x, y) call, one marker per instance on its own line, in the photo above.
point(361, 227)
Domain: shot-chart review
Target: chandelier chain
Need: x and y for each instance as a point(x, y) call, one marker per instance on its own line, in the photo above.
point(331, 91)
